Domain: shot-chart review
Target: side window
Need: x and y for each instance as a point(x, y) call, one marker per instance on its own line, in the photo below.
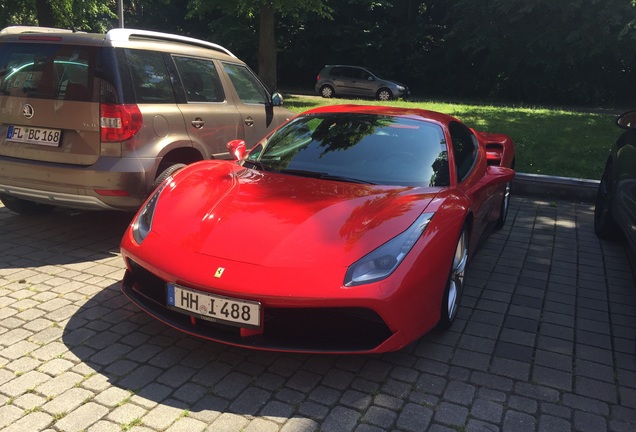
point(151, 81)
point(348, 72)
point(200, 79)
point(247, 86)
point(464, 149)
point(361, 74)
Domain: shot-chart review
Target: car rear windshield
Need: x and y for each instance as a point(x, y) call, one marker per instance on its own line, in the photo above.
point(47, 71)
point(367, 148)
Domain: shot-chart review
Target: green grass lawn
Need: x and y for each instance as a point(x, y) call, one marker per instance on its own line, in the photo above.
point(548, 141)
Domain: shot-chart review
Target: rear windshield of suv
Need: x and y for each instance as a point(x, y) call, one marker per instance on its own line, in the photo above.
point(48, 71)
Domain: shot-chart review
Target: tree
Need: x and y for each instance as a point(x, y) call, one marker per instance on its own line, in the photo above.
point(266, 11)
point(87, 15)
point(543, 50)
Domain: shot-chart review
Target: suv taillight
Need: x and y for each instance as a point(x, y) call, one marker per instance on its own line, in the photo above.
point(119, 122)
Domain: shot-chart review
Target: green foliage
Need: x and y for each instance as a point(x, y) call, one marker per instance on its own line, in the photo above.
point(86, 15)
point(562, 51)
point(548, 141)
point(565, 52)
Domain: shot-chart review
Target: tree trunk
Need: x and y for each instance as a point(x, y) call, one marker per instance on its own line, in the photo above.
point(44, 13)
point(267, 46)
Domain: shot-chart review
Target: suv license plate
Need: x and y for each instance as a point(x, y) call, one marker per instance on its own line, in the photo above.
point(241, 313)
point(31, 135)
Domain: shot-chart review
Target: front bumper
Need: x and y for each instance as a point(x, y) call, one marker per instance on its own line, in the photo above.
point(292, 329)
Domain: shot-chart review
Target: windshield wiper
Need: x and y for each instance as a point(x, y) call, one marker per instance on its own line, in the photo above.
point(345, 179)
point(324, 176)
point(257, 164)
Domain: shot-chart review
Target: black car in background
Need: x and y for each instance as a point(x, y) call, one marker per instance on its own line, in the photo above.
point(615, 210)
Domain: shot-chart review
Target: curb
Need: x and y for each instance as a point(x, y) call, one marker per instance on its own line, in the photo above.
point(555, 187)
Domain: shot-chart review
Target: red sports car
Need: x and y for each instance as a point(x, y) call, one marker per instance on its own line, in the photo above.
point(347, 230)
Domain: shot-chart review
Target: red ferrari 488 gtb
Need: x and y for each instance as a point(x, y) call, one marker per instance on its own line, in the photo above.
point(346, 230)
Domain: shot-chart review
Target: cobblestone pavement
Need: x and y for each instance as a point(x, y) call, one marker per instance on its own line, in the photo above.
point(545, 341)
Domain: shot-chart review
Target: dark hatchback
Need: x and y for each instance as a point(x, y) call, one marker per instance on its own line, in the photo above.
point(615, 210)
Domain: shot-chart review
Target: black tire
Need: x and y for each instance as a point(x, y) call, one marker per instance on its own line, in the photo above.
point(166, 173)
point(604, 225)
point(505, 205)
point(327, 91)
point(456, 281)
point(25, 207)
point(384, 94)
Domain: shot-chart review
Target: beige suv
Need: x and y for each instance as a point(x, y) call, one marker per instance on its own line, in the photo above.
point(96, 121)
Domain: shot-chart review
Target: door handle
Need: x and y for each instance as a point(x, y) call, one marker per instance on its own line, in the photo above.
point(198, 122)
point(249, 121)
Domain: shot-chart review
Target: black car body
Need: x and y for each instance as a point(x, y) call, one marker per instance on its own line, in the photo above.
point(615, 210)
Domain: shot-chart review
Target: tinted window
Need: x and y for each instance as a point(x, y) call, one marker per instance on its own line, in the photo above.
point(365, 147)
point(47, 71)
point(200, 80)
point(361, 74)
point(150, 77)
point(464, 148)
point(248, 87)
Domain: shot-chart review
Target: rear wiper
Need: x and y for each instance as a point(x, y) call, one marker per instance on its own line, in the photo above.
point(324, 176)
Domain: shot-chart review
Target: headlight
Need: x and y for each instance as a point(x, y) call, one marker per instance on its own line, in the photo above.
point(401, 88)
point(380, 263)
point(143, 223)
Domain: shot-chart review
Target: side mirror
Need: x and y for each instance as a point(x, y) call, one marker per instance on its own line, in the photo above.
point(277, 99)
point(237, 149)
point(627, 120)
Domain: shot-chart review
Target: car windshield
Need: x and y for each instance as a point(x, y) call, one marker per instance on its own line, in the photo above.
point(357, 147)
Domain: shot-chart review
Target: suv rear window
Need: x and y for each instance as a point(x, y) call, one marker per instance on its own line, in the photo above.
point(47, 71)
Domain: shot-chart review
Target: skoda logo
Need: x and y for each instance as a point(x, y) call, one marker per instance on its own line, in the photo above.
point(27, 111)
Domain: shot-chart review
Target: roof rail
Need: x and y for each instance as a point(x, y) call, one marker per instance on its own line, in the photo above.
point(32, 29)
point(124, 35)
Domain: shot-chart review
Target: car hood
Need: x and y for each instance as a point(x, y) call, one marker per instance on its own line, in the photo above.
point(222, 210)
point(397, 83)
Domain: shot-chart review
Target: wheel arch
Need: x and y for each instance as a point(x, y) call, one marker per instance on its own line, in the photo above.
point(184, 155)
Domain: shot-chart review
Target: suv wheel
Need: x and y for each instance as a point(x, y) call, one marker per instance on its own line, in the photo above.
point(166, 173)
point(326, 91)
point(25, 207)
point(384, 94)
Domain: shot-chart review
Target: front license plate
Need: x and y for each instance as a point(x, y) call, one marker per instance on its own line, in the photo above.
point(237, 312)
point(31, 135)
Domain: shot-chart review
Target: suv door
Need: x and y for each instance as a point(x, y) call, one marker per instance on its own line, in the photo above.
point(210, 120)
point(254, 104)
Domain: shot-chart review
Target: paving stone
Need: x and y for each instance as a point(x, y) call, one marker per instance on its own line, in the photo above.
point(487, 411)
point(481, 426)
point(341, 419)
point(414, 418)
point(544, 342)
point(587, 422)
point(162, 416)
point(459, 393)
point(81, 418)
point(518, 422)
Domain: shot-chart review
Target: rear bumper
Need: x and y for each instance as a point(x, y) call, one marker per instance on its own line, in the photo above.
point(111, 183)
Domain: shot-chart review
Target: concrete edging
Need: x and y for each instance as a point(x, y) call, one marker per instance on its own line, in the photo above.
point(555, 187)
